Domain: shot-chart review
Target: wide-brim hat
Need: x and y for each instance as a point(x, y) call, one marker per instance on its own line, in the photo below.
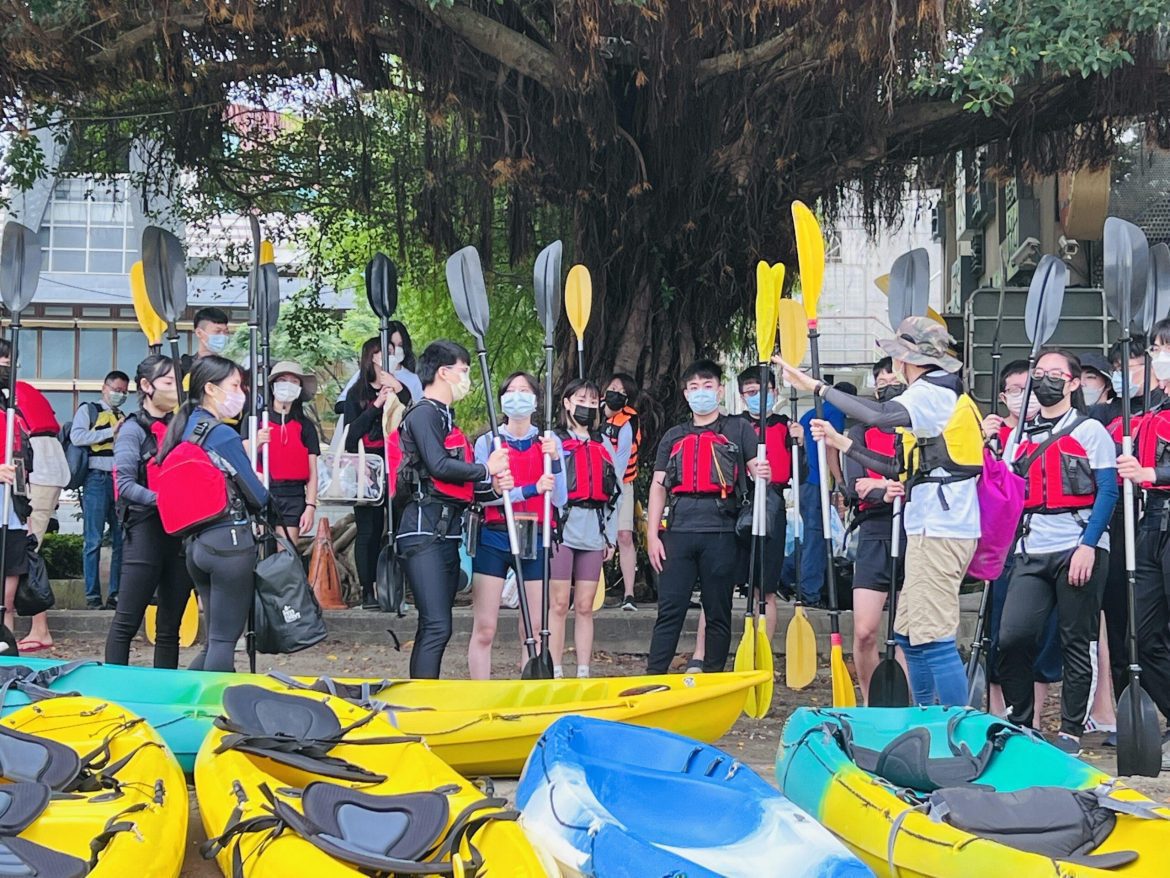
point(291, 367)
point(923, 342)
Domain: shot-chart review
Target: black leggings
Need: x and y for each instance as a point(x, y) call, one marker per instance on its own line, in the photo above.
point(371, 523)
point(222, 562)
point(151, 559)
point(432, 569)
point(1152, 596)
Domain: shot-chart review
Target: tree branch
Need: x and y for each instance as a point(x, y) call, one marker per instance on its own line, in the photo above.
point(761, 53)
point(134, 39)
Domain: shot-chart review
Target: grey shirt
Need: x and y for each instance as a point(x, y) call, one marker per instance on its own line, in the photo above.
point(82, 433)
point(127, 457)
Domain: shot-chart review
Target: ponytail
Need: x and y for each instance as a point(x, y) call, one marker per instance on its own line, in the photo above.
point(207, 370)
point(176, 429)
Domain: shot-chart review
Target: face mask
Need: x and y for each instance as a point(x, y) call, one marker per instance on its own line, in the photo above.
point(703, 402)
point(585, 415)
point(900, 374)
point(232, 405)
point(217, 343)
point(396, 357)
point(117, 397)
point(462, 387)
point(1049, 391)
point(518, 403)
point(615, 400)
point(165, 398)
point(890, 391)
point(1092, 394)
point(1135, 387)
point(1013, 404)
point(1161, 365)
point(752, 401)
point(286, 391)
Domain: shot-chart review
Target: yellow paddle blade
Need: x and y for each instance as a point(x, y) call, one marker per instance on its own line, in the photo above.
point(267, 253)
point(745, 660)
point(151, 622)
point(764, 662)
point(765, 311)
point(578, 299)
point(151, 324)
point(189, 626)
point(800, 648)
point(844, 695)
point(882, 282)
point(810, 251)
point(793, 332)
point(778, 280)
point(599, 597)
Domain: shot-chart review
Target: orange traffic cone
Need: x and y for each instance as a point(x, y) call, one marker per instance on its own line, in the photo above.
point(323, 570)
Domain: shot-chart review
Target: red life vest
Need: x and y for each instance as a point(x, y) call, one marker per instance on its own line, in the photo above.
point(288, 456)
point(35, 411)
point(1153, 444)
point(704, 462)
point(613, 426)
point(407, 474)
point(192, 491)
point(589, 472)
point(778, 443)
point(1135, 423)
point(16, 433)
point(884, 443)
point(526, 467)
point(1057, 472)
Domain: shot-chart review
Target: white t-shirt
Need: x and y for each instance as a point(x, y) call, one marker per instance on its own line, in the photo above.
point(1061, 531)
point(930, 407)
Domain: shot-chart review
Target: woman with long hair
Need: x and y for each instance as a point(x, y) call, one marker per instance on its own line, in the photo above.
point(152, 560)
point(221, 555)
point(293, 449)
point(623, 427)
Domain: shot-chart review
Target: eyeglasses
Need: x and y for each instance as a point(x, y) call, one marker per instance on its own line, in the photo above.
point(1014, 392)
point(1054, 374)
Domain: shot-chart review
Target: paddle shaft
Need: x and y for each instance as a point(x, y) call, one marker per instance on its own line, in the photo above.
point(261, 388)
point(173, 340)
point(9, 442)
point(1128, 514)
point(895, 554)
point(384, 336)
point(797, 521)
point(546, 568)
point(254, 415)
point(823, 479)
point(979, 642)
point(760, 512)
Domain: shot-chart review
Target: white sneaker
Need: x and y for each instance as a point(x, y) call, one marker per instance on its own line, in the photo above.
point(629, 606)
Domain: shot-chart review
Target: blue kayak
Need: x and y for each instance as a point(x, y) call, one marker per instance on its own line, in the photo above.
point(610, 800)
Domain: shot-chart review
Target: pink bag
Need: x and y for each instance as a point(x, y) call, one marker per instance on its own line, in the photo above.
point(1001, 504)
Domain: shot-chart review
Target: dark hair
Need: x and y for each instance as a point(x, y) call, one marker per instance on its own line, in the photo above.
point(629, 386)
point(751, 375)
point(1137, 348)
point(5, 348)
point(1015, 367)
point(533, 382)
point(1074, 368)
point(408, 361)
point(365, 392)
point(439, 353)
point(885, 364)
point(116, 375)
point(1161, 333)
point(702, 369)
point(571, 388)
point(206, 370)
point(151, 369)
point(847, 387)
point(210, 315)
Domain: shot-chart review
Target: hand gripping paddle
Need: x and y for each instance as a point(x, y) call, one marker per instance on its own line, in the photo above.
point(469, 296)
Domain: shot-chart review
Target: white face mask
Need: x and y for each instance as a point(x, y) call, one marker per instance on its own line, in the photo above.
point(462, 387)
point(1092, 395)
point(397, 355)
point(1161, 365)
point(286, 391)
point(1013, 404)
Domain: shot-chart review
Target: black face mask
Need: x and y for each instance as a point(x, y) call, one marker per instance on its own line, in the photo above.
point(1049, 391)
point(890, 391)
point(585, 415)
point(615, 400)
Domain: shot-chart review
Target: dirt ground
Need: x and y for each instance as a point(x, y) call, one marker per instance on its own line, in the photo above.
point(751, 741)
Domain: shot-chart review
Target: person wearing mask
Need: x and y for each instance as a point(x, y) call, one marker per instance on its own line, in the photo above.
point(50, 473)
point(1070, 467)
point(95, 425)
point(587, 530)
point(153, 562)
point(700, 476)
point(293, 449)
point(363, 411)
point(493, 558)
point(437, 482)
point(1149, 469)
point(942, 508)
point(1096, 384)
point(221, 555)
point(212, 335)
point(623, 428)
point(402, 364)
point(866, 491)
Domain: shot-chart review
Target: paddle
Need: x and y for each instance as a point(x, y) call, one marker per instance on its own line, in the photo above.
point(20, 271)
point(382, 294)
point(253, 334)
point(800, 642)
point(269, 314)
point(546, 282)
point(1154, 305)
point(469, 296)
point(882, 282)
point(810, 250)
point(149, 322)
point(578, 304)
point(1139, 740)
point(164, 271)
point(908, 293)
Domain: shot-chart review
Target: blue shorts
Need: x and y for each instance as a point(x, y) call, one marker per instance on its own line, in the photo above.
point(493, 557)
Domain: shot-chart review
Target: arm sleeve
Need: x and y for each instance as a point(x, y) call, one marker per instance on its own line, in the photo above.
point(1102, 509)
point(483, 448)
point(872, 460)
point(621, 454)
point(310, 438)
point(1162, 475)
point(81, 433)
point(428, 433)
point(127, 453)
point(358, 421)
point(886, 415)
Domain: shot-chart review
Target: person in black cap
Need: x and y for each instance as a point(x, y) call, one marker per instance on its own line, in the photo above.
point(1097, 388)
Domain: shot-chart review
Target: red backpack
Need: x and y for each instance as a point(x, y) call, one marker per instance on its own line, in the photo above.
point(192, 491)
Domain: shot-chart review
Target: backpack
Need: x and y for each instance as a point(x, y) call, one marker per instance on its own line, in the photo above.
point(76, 456)
point(192, 490)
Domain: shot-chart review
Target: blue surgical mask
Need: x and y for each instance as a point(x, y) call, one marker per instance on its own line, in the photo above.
point(752, 401)
point(1135, 387)
point(518, 403)
point(703, 402)
point(217, 343)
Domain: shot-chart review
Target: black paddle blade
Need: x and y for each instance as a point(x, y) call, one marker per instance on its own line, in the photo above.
point(254, 274)
point(909, 289)
point(546, 281)
point(539, 667)
point(1157, 287)
point(164, 268)
point(1045, 299)
point(1139, 734)
point(888, 687)
point(468, 291)
point(20, 266)
point(382, 286)
point(1126, 270)
point(270, 293)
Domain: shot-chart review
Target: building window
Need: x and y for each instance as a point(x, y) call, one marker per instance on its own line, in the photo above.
point(87, 227)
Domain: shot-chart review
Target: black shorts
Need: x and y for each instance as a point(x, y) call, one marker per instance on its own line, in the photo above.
point(16, 552)
point(871, 567)
point(288, 500)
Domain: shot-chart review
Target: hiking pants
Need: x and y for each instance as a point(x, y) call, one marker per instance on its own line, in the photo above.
point(367, 545)
point(151, 560)
point(1039, 582)
point(222, 562)
point(710, 559)
point(431, 568)
point(1152, 595)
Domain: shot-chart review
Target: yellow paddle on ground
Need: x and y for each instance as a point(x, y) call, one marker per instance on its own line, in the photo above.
point(810, 249)
point(578, 304)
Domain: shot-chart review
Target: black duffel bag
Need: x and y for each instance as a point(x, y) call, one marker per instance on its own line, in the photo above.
point(33, 594)
point(287, 615)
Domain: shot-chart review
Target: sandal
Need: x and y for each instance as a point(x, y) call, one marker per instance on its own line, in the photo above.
point(29, 645)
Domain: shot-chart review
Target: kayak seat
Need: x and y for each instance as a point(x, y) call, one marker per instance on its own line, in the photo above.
point(20, 858)
point(20, 805)
point(257, 711)
point(26, 758)
point(1054, 822)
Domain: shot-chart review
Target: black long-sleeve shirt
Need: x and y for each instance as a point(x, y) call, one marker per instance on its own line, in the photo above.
point(364, 419)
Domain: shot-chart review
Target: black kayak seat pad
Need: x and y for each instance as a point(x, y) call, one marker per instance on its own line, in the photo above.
point(20, 805)
point(26, 758)
point(20, 858)
point(254, 710)
point(399, 827)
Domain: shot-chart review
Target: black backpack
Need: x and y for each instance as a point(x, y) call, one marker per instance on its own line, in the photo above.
point(77, 456)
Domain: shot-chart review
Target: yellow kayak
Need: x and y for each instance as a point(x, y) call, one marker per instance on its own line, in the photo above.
point(90, 790)
point(490, 726)
point(301, 783)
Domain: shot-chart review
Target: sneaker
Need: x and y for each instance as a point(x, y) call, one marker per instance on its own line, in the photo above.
point(1091, 725)
point(1110, 740)
point(1067, 744)
point(628, 605)
point(93, 603)
point(694, 666)
point(111, 604)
